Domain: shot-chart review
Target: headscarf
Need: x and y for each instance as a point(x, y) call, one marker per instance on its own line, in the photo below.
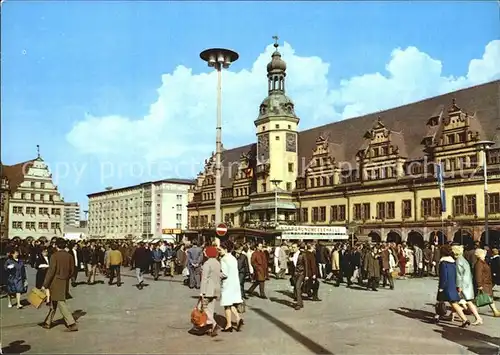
point(211, 252)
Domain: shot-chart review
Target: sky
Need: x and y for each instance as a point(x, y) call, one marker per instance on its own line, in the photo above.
point(115, 92)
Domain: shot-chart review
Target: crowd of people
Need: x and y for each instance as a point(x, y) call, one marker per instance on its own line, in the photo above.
point(219, 271)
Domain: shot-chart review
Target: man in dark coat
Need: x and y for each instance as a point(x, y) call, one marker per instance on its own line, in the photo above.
point(346, 269)
point(243, 268)
point(301, 271)
point(56, 285)
point(312, 287)
point(141, 259)
point(194, 261)
point(260, 271)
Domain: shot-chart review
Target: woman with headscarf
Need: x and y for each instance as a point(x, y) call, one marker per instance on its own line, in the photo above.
point(16, 278)
point(230, 290)
point(448, 284)
point(484, 282)
point(210, 287)
point(465, 284)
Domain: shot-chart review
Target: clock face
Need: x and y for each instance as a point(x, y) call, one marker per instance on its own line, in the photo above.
point(263, 148)
point(291, 142)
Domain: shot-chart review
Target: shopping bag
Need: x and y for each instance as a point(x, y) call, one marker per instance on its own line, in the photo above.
point(483, 299)
point(36, 297)
point(198, 316)
point(185, 272)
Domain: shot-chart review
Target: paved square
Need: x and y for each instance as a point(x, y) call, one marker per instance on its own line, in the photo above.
point(156, 320)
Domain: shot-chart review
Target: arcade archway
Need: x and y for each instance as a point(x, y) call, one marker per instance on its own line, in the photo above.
point(494, 238)
point(437, 236)
point(394, 237)
point(29, 239)
point(42, 239)
point(463, 237)
point(375, 237)
point(415, 238)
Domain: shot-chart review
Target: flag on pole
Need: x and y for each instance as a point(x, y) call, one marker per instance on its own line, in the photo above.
point(442, 192)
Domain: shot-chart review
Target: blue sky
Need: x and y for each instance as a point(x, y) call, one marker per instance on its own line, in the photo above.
point(79, 78)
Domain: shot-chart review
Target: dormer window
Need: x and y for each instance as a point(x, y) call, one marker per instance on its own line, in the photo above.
point(451, 139)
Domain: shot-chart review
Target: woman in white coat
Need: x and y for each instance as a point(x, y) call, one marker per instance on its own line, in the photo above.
point(465, 282)
point(231, 290)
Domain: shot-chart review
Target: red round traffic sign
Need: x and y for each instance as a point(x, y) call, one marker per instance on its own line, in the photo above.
point(221, 229)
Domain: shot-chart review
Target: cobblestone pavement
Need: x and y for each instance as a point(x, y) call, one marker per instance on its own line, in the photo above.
point(156, 320)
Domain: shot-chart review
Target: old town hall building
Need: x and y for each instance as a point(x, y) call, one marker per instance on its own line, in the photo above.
point(375, 174)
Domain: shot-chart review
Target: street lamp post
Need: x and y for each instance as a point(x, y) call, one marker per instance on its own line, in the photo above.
point(483, 146)
point(218, 58)
point(276, 186)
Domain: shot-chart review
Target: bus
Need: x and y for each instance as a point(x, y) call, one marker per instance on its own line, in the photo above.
point(313, 233)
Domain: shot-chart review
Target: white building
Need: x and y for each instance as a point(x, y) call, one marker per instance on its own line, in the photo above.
point(36, 209)
point(72, 214)
point(142, 210)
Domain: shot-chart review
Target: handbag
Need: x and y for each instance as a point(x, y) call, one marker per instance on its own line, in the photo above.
point(198, 316)
point(483, 299)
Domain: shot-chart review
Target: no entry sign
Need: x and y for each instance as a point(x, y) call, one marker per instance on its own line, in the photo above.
point(221, 229)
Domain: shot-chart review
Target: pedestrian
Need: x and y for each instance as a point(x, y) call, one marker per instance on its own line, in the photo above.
point(41, 265)
point(259, 263)
point(115, 261)
point(194, 261)
point(17, 282)
point(56, 285)
point(230, 290)
point(141, 260)
point(210, 288)
point(483, 278)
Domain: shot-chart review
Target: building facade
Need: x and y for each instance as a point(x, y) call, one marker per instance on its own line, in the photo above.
point(143, 210)
point(375, 174)
point(35, 206)
point(72, 214)
point(4, 206)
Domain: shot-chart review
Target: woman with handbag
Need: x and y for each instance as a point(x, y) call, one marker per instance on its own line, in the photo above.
point(17, 282)
point(210, 287)
point(465, 284)
point(447, 291)
point(230, 291)
point(484, 282)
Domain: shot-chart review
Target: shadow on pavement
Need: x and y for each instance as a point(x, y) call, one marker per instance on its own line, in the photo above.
point(282, 301)
point(16, 347)
point(475, 342)
point(305, 341)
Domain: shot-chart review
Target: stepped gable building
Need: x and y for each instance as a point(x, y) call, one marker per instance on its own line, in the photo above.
point(375, 173)
point(35, 208)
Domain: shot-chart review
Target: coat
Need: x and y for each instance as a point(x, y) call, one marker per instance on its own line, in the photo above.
point(371, 265)
point(495, 269)
point(259, 263)
point(482, 273)
point(41, 265)
point(335, 260)
point(464, 278)
point(312, 265)
point(210, 278)
point(448, 280)
point(230, 290)
point(16, 276)
point(61, 268)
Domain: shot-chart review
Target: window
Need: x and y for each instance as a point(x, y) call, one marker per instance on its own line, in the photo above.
point(426, 207)
point(178, 226)
point(277, 138)
point(42, 197)
point(289, 126)
point(178, 216)
point(43, 225)
point(264, 187)
point(470, 205)
point(380, 210)
point(55, 225)
point(494, 203)
point(32, 184)
point(436, 207)
point(451, 139)
point(290, 167)
point(51, 197)
point(342, 215)
point(30, 210)
point(277, 126)
point(322, 214)
point(17, 225)
point(17, 210)
point(179, 207)
point(42, 185)
point(390, 210)
point(304, 215)
point(315, 214)
point(334, 213)
point(43, 211)
point(406, 208)
point(311, 182)
point(30, 225)
point(358, 215)
point(366, 211)
point(289, 186)
point(458, 205)
point(461, 137)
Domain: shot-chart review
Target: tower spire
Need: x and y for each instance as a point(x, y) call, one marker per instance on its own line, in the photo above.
point(276, 71)
point(276, 44)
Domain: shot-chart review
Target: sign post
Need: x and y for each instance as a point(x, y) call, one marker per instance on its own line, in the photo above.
point(221, 230)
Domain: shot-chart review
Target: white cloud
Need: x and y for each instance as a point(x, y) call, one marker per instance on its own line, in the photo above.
point(181, 122)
